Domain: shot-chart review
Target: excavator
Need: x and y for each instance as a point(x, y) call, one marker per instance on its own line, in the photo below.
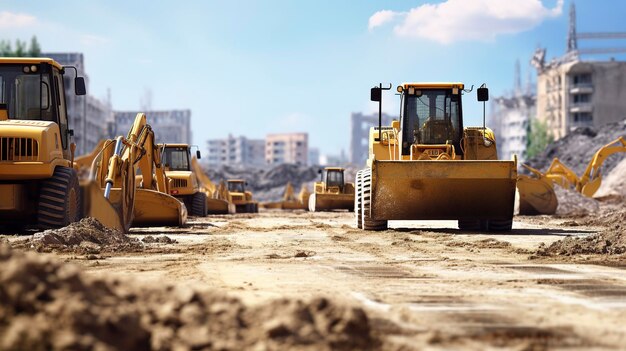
point(218, 198)
point(114, 169)
point(290, 201)
point(537, 192)
point(428, 166)
point(332, 192)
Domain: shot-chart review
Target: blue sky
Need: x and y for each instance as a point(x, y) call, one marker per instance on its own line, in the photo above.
point(258, 67)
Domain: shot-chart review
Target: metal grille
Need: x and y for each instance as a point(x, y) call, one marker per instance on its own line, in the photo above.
point(18, 149)
point(179, 183)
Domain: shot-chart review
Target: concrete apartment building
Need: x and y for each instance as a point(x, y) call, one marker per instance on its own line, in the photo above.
point(88, 116)
point(572, 92)
point(359, 133)
point(236, 151)
point(287, 148)
point(170, 126)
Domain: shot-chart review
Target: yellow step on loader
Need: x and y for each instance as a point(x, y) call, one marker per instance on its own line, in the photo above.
point(332, 192)
point(428, 166)
point(537, 191)
point(241, 197)
point(218, 198)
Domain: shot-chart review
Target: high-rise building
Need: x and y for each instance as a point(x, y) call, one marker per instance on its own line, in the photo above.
point(236, 151)
point(314, 156)
point(170, 126)
point(359, 135)
point(287, 148)
point(88, 116)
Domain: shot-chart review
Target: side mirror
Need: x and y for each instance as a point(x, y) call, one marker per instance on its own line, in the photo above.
point(198, 156)
point(79, 86)
point(482, 94)
point(375, 94)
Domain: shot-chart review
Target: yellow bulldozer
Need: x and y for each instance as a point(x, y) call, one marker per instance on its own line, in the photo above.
point(218, 198)
point(537, 194)
point(241, 197)
point(332, 192)
point(428, 166)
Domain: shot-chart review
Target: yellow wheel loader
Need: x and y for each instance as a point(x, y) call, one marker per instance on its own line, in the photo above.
point(114, 170)
point(37, 182)
point(183, 182)
point(537, 192)
point(218, 198)
point(241, 197)
point(332, 192)
point(428, 166)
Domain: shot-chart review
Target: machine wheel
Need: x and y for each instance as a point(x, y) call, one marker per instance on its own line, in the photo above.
point(312, 203)
point(198, 205)
point(501, 225)
point(357, 201)
point(366, 196)
point(473, 224)
point(60, 199)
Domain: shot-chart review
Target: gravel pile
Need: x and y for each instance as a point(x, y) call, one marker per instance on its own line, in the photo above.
point(87, 236)
point(50, 305)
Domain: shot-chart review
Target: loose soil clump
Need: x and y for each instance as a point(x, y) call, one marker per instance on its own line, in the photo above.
point(88, 236)
point(50, 305)
point(611, 241)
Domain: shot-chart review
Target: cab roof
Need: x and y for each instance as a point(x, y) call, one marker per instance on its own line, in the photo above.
point(175, 145)
point(433, 85)
point(235, 181)
point(334, 168)
point(29, 60)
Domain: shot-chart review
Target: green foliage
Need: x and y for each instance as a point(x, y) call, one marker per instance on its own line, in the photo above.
point(538, 138)
point(21, 49)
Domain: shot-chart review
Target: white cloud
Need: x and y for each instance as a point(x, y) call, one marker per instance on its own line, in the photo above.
point(10, 20)
point(458, 20)
point(380, 18)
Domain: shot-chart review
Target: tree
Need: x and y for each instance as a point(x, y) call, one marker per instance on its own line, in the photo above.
point(34, 50)
point(5, 48)
point(538, 138)
point(20, 48)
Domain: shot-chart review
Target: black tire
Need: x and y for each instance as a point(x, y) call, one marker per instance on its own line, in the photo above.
point(358, 201)
point(501, 225)
point(472, 224)
point(366, 197)
point(60, 200)
point(198, 205)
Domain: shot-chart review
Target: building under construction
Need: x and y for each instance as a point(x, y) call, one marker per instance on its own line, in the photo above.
point(573, 92)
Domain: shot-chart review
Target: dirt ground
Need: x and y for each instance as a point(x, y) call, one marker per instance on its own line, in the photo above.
point(422, 285)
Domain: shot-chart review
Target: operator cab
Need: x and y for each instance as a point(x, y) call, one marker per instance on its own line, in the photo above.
point(333, 177)
point(176, 158)
point(236, 186)
point(431, 115)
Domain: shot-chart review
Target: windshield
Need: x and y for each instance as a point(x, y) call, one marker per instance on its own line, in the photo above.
point(176, 158)
point(334, 178)
point(25, 94)
point(236, 187)
point(431, 118)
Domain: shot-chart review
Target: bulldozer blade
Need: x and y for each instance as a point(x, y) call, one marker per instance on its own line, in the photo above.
point(536, 196)
point(97, 206)
point(217, 206)
point(329, 202)
point(451, 190)
point(153, 208)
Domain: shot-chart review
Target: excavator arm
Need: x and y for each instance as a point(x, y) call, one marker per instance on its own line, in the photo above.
point(592, 178)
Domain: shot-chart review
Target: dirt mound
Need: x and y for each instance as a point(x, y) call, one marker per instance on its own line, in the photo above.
point(86, 236)
point(163, 239)
point(45, 304)
point(611, 241)
point(615, 182)
point(578, 147)
point(573, 203)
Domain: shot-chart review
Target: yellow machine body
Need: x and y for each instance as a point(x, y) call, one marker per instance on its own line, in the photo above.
point(241, 197)
point(536, 193)
point(218, 198)
point(290, 201)
point(433, 169)
point(332, 192)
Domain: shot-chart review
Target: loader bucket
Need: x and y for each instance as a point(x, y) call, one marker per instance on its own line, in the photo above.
point(445, 189)
point(109, 213)
point(217, 206)
point(329, 202)
point(536, 196)
point(153, 208)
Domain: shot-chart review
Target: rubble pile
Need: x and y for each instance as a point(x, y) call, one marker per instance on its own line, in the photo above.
point(86, 237)
point(46, 304)
point(615, 182)
point(573, 203)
